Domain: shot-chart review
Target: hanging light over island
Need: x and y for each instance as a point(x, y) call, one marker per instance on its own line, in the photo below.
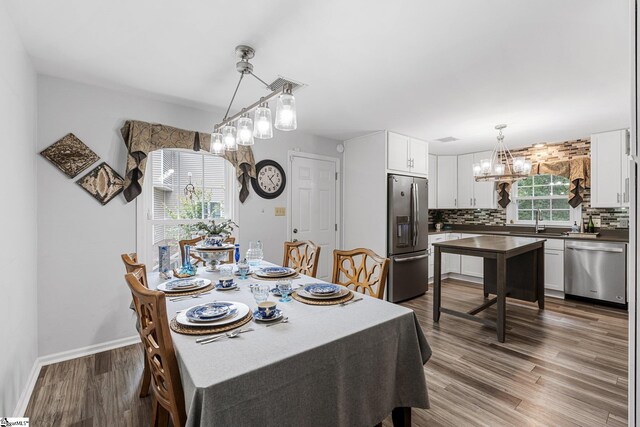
point(502, 166)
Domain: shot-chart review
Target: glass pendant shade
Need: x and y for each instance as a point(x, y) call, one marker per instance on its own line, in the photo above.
point(262, 128)
point(245, 131)
point(286, 113)
point(229, 138)
point(518, 164)
point(217, 146)
point(526, 167)
point(477, 169)
point(485, 166)
point(498, 169)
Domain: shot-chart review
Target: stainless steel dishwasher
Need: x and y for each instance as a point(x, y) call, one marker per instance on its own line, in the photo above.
point(596, 270)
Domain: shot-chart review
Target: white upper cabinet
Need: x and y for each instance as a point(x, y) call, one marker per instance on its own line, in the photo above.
point(447, 182)
point(398, 152)
point(484, 193)
point(610, 169)
point(472, 194)
point(406, 154)
point(419, 154)
point(433, 182)
point(465, 181)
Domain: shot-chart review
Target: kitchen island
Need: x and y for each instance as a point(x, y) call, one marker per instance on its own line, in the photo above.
point(513, 267)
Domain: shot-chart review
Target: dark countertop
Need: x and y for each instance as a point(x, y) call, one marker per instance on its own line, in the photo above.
point(618, 235)
point(495, 244)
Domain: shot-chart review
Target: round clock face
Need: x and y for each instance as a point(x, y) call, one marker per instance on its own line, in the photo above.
point(270, 179)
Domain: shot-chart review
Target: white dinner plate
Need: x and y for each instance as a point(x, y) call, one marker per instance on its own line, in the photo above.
point(343, 292)
point(202, 283)
point(243, 309)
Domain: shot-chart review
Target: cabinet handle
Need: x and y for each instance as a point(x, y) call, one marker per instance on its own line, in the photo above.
point(471, 201)
point(626, 190)
point(474, 201)
point(455, 202)
point(618, 197)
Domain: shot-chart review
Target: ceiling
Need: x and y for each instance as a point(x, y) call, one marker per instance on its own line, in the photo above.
point(552, 70)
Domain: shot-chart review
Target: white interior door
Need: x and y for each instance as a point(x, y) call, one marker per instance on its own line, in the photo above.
point(313, 207)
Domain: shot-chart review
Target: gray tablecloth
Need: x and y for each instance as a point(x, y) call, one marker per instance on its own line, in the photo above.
point(329, 366)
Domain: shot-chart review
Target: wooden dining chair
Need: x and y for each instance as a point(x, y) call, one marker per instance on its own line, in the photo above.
point(362, 269)
point(302, 256)
point(166, 386)
point(191, 242)
point(139, 270)
point(231, 241)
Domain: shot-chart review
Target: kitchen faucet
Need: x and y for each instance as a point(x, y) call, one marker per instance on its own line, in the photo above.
point(539, 227)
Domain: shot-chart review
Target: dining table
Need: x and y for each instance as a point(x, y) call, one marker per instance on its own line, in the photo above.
point(328, 365)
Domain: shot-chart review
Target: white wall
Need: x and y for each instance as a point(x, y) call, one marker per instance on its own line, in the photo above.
point(83, 298)
point(18, 331)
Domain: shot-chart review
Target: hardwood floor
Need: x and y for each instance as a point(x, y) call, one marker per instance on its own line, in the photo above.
point(564, 366)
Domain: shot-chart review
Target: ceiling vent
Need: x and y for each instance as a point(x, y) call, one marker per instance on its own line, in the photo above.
point(278, 83)
point(448, 139)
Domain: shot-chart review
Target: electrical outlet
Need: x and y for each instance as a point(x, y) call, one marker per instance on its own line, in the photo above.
point(624, 223)
point(596, 222)
point(280, 211)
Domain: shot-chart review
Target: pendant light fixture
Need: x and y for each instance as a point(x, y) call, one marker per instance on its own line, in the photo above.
point(240, 129)
point(502, 166)
point(262, 127)
point(245, 130)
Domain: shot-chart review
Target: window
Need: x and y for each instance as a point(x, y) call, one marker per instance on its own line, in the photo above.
point(549, 194)
point(181, 188)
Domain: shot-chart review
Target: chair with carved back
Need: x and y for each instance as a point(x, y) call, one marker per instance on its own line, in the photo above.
point(302, 256)
point(139, 270)
point(361, 269)
point(166, 386)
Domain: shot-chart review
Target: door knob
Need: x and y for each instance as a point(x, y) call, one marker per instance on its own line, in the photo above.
point(295, 230)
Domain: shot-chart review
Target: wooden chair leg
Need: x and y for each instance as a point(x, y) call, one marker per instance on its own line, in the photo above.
point(146, 378)
point(159, 415)
point(178, 420)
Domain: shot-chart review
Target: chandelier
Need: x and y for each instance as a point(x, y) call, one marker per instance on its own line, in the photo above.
point(254, 121)
point(502, 166)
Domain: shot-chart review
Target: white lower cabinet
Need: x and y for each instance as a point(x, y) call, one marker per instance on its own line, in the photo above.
point(451, 262)
point(554, 265)
point(471, 265)
point(433, 239)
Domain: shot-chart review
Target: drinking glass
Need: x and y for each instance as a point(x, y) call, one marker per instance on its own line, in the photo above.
point(260, 292)
point(254, 253)
point(243, 269)
point(285, 289)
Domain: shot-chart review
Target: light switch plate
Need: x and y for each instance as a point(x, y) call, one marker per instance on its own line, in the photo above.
point(280, 211)
point(624, 223)
point(596, 222)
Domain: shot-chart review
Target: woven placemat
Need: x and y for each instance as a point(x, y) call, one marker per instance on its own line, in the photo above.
point(345, 298)
point(255, 276)
point(203, 330)
point(186, 293)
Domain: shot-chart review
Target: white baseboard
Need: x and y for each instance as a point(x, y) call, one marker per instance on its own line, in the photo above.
point(23, 401)
point(41, 361)
point(457, 276)
point(86, 351)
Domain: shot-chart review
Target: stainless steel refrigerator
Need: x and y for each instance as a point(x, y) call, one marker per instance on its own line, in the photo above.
point(407, 238)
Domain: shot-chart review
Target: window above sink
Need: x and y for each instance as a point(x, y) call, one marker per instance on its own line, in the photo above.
point(550, 194)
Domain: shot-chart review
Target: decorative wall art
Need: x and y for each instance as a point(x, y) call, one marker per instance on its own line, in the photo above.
point(70, 155)
point(103, 183)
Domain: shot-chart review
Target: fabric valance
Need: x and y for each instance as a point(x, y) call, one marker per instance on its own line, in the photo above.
point(141, 138)
point(577, 170)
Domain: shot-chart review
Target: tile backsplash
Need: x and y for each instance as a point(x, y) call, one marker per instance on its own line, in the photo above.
point(609, 218)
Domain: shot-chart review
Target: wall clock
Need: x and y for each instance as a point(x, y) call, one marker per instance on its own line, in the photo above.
point(270, 179)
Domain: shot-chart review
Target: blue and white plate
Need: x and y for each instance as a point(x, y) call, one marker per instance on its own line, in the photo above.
point(219, 287)
point(277, 314)
point(183, 285)
point(210, 311)
point(238, 311)
point(322, 289)
point(275, 272)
